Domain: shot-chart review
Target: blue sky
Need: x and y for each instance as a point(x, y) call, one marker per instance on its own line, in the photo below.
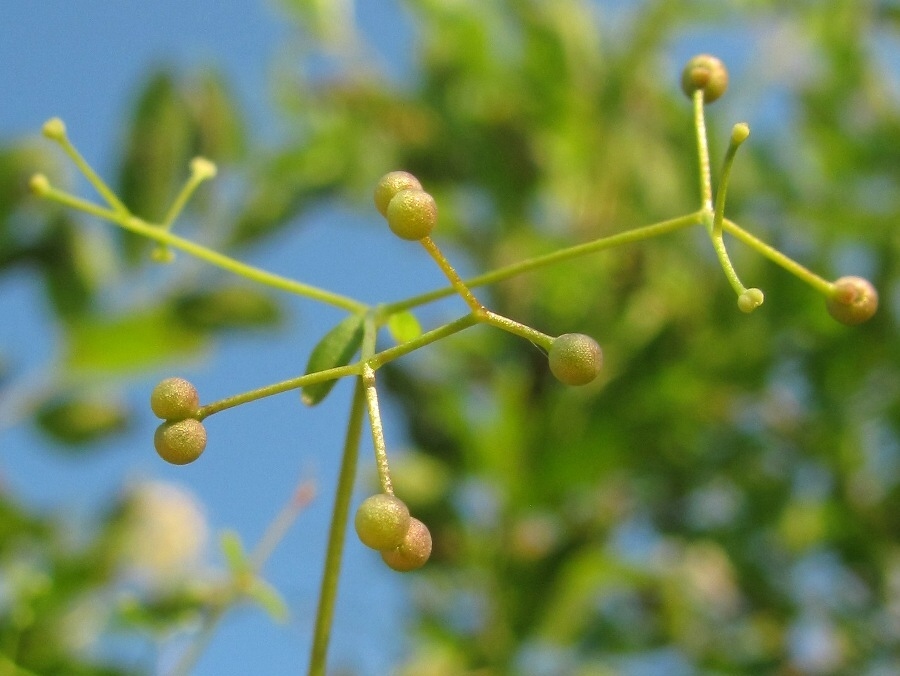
point(82, 61)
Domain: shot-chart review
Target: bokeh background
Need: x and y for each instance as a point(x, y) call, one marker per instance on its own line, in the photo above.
point(724, 500)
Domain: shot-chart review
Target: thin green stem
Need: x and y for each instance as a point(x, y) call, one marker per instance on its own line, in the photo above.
point(375, 361)
point(537, 262)
point(510, 325)
point(340, 515)
point(820, 284)
point(158, 234)
point(716, 230)
point(95, 180)
point(455, 280)
point(381, 460)
point(194, 180)
point(278, 388)
point(702, 151)
point(426, 338)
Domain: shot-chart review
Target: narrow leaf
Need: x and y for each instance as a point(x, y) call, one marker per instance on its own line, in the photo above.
point(234, 552)
point(270, 600)
point(335, 349)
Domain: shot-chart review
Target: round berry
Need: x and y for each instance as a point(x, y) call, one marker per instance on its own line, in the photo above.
point(174, 399)
point(382, 521)
point(390, 184)
point(707, 73)
point(413, 552)
point(180, 441)
point(575, 359)
point(412, 214)
point(853, 301)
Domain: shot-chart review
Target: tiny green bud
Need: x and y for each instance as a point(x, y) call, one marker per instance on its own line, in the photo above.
point(853, 300)
point(739, 133)
point(413, 552)
point(575, 359)
point(390, 184)
point(750, 300)
point(39, 185)
point(707, 73)
point(412, 214)
point(162, 254)
point(203, 168)
point(382, 521)
point(180, 441)
point(54, 129)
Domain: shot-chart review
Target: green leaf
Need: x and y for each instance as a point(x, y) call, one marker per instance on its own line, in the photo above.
point(227, 307)
point(269, 598)
point(233, 549)
point(335, 349)
point(128, 343)
point(404, 326)
point(81, 419)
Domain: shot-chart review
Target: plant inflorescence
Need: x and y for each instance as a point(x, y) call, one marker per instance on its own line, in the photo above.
point(383, 521)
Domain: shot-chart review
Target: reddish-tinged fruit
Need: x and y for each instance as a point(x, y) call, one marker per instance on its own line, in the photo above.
point(413, 552)
point(853, 301)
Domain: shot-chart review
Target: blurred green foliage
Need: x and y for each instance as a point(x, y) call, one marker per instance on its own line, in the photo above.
point(725, 498)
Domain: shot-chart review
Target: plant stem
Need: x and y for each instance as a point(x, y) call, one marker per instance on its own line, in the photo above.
point(375, 361)
point(456, 282)
point(511, 326)
point(702, 151)
point(500, 274)
point(158, 234)
point(85, 168)
point(820, 284)
point(339, 518)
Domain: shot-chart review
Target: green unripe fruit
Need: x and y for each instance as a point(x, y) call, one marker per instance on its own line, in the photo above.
point(412, 214)
point(390, 184)
point(853, 301)
point(174, 399)
point(575, 359)
point(413, 552)
point(382, 521)
point(180, 441)
point(707, 73)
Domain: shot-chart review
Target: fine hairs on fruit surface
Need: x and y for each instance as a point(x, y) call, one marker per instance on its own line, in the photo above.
point(382, 521)
point(413, 552)
point(180, 441)
point(412, 214)
point(174, 399)
point(575, 359)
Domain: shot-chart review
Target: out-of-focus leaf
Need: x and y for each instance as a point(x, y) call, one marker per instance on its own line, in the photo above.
point(234, 552)
point(158, 149)
point(269, 598)
point(227, 307)
point(128, 343)
point(404, 326)
point(81, 419)
point(74, 262)
point(220, 129)
point(335, 349)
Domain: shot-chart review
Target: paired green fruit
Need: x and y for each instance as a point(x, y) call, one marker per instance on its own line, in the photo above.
point(180, 441)
point(707, 73)
point(575, 359)
point(853, 301)
point(174, 399)
point(412, 214)
point(413, 551)
point(382, 521)
point(390, 184)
